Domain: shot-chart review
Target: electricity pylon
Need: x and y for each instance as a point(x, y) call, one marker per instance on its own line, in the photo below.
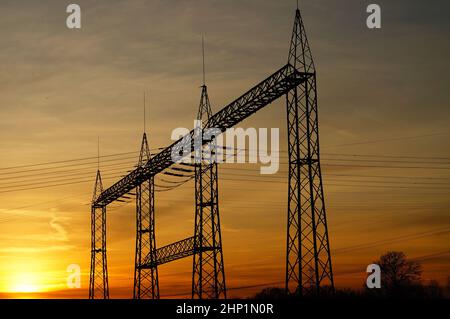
point(208, 275)
point(98, 280)
point(146, 284)
point(308, 257)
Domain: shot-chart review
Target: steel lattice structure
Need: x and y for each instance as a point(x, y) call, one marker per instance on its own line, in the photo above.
point(308, 260)
point(98, 279)
point(146, 285)
point(208, 273)
point(272, 88)
point(180, 249)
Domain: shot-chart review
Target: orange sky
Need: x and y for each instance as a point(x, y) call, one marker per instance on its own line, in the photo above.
point(60, 89)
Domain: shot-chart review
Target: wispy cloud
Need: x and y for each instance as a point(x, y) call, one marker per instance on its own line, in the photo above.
point(60, 233)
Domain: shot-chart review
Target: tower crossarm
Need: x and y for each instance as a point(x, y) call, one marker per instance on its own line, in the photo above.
point(180, 249)
point(261, 95)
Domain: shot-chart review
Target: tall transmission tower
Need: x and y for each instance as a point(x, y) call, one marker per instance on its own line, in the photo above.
point(146, 284)
point(208, 274)
point(98, 280)
point(308, 259)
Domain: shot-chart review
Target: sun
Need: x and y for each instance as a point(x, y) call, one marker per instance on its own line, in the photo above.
point(24, 283)
point(24, 288)
point(30, 278)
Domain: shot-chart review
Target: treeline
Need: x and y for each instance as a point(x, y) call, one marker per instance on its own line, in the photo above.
point(399, 278)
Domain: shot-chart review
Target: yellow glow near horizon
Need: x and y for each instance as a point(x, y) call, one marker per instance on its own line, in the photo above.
point(25, 283)
point(29, 276)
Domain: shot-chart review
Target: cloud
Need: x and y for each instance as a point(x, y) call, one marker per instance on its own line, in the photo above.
point(60, 233)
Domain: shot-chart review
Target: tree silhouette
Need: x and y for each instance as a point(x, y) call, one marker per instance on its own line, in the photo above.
point(398, 274)
point(271, 293)
point(396, 270)
point(448, 286)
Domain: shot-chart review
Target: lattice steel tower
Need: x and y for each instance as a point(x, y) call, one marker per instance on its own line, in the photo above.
point(308, 261)
point(146, 284)
point(98, 280)
point(208, 275)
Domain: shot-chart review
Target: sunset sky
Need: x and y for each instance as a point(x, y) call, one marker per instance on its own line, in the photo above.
point(384, 109)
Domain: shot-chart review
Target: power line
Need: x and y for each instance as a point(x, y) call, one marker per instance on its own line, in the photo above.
point(431, 256)
point(391, 139)
point(54, 176)
point(54, 185)
point(10, 175)
point(383, 166)
point(413, 236)
point(385, 161)
point(388, 156)
point(259, 180)
point(280, 151)
point(66, 161)
point(92, 164)
point(122, 168)
point(344, 180)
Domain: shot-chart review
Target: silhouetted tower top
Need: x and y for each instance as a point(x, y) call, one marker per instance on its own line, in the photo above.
point(300, 55)
point(144, 154)
point(204, 110)
point(98, 186)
